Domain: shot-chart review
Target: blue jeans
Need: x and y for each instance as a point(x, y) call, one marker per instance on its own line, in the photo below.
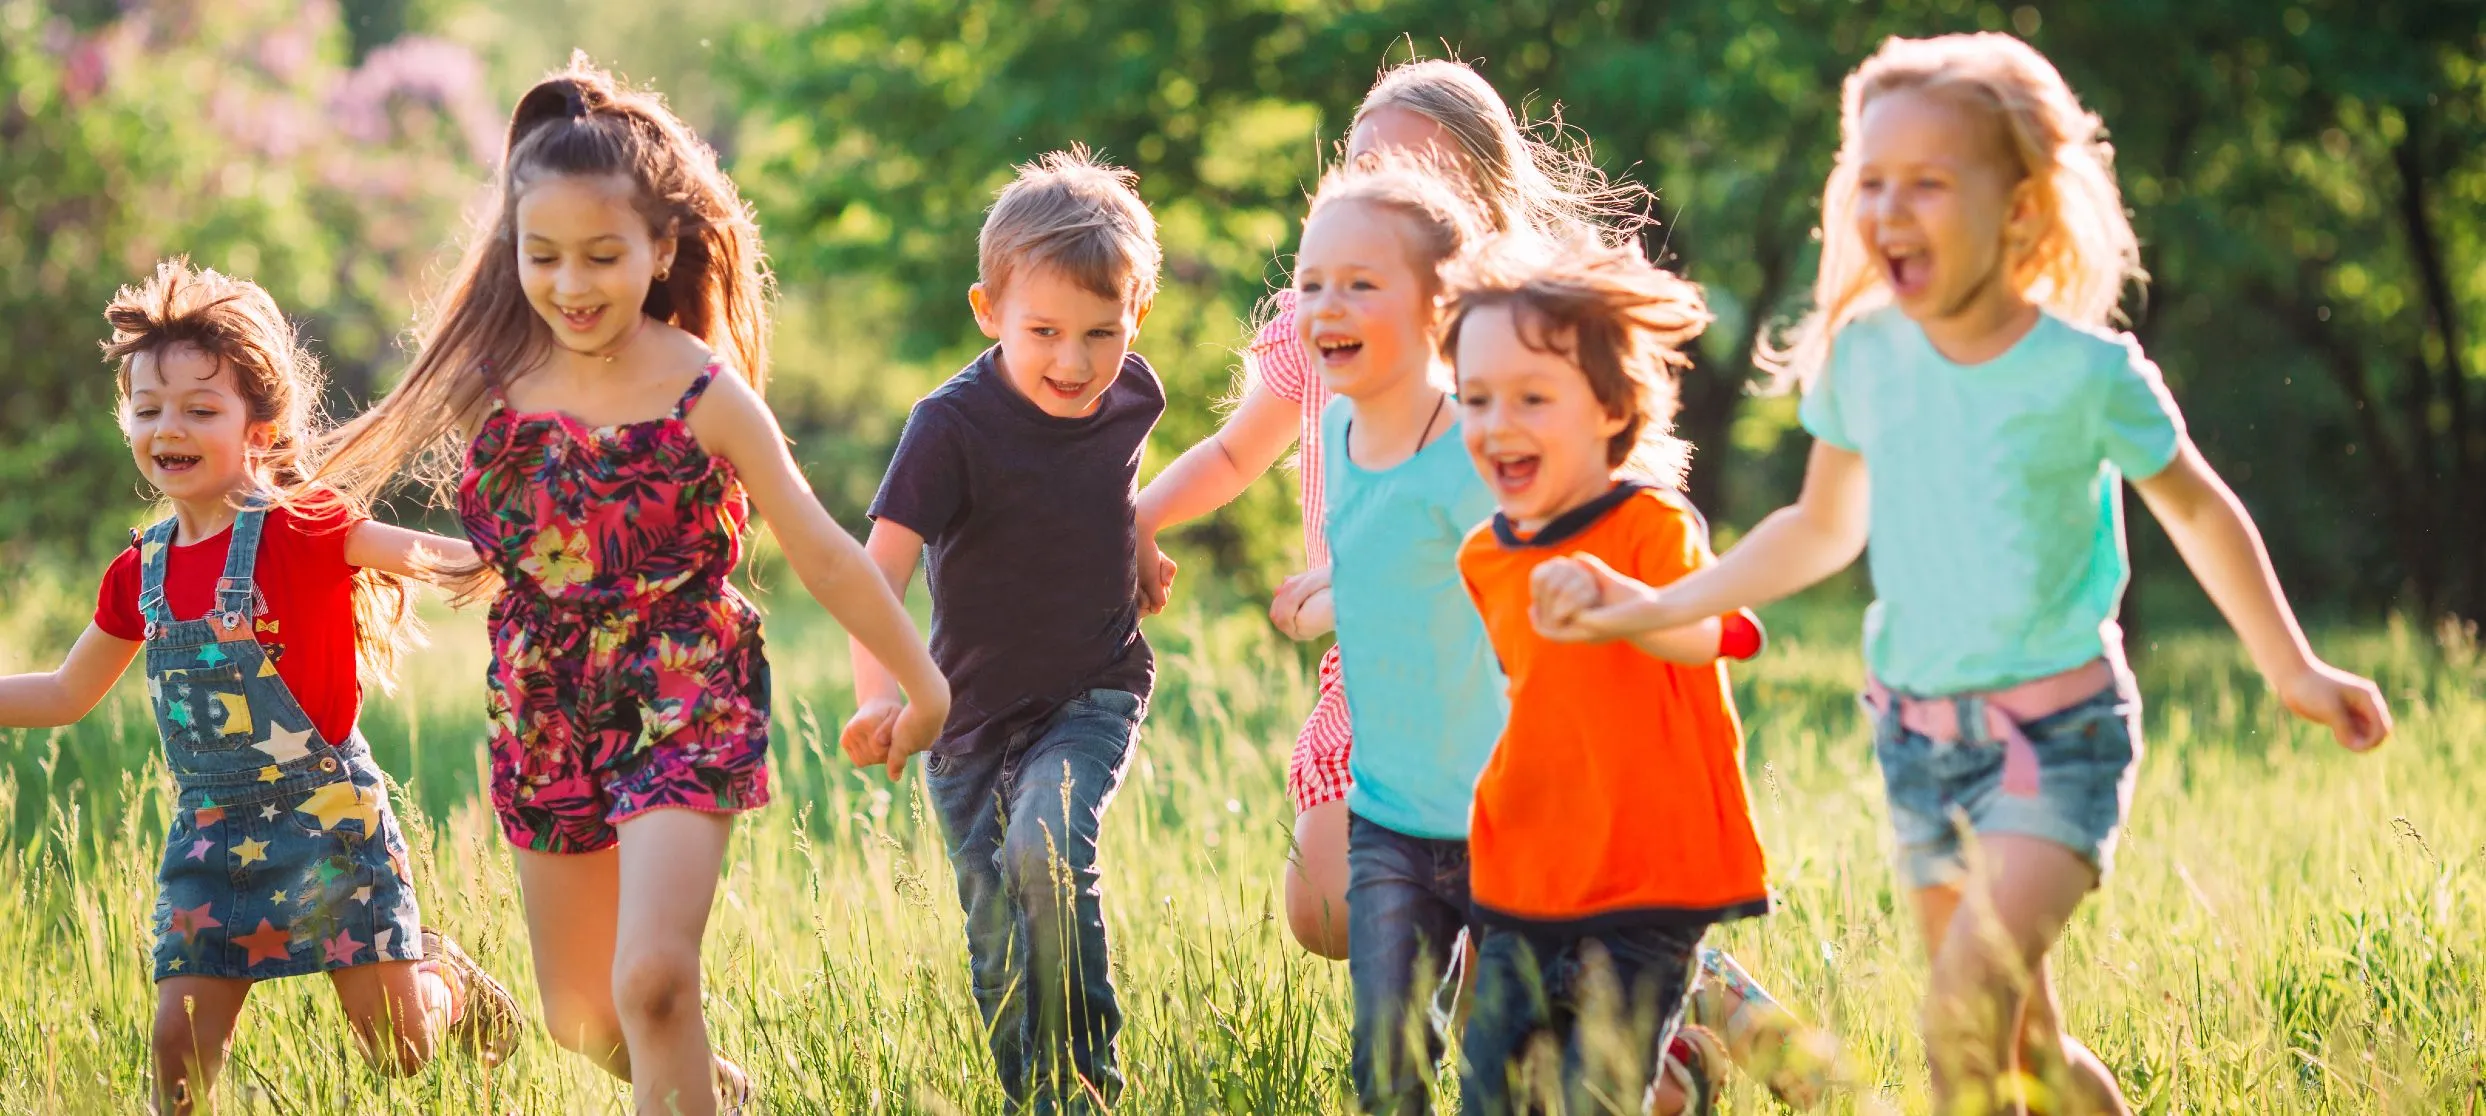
point(1531, 982)
point(2088, 757)
point(1406, 901)
point(1021, 822)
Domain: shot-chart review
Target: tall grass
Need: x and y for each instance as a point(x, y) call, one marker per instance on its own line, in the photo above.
point(2291, 929)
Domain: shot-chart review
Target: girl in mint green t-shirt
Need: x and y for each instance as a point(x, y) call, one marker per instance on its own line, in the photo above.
point(1974, 421)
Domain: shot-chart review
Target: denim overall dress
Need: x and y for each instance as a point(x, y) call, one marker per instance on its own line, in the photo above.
point(283, 856)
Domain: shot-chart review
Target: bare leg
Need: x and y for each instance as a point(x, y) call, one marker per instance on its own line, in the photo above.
point(670, 863)
point(399, 1012)
point(1316, 880)
point(194, 1019)
point(1990, 1009)
point(572, 904)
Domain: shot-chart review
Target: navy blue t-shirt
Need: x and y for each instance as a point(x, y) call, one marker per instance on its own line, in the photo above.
point(1029, 521)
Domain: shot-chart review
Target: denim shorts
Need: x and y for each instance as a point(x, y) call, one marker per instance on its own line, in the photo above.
point(2087, 757)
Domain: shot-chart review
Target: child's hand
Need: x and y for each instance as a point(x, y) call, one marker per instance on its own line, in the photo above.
point(914, 731)
point(2351, 706)
point(1303, 608)
point(1154, 592)
point(866, 736)
point(1577, 598)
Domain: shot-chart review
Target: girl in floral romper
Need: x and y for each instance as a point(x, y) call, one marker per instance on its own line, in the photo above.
point(603, 353)
point(258, 622)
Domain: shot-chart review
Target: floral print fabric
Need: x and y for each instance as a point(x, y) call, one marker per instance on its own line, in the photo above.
point(627, 673)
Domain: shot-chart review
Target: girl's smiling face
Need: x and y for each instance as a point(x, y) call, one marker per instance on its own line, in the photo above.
point(1533, 425)
point(1363, 309)
point(586, 257)
point(1938, 201)
point(189, 427)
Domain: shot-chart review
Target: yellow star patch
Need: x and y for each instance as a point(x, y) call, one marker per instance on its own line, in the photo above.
point(340, 800)
point(149, 549)
point(237, 720)
point(251, 851)
point(268, 775)
point(267, 667)
point(276, 897)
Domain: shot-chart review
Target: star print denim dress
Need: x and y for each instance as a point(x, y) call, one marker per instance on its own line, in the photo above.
point(284, 857)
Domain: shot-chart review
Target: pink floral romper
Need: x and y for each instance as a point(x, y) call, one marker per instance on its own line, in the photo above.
point(627, 673)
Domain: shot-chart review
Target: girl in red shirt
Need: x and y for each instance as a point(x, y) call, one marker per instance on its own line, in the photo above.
point(284, 856)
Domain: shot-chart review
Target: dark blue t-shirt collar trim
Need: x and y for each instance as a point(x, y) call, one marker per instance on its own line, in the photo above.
point(987, 369)
point(1569, 524)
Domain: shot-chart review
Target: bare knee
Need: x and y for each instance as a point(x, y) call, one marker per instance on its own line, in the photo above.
point(656, 988)
point(1317, 919)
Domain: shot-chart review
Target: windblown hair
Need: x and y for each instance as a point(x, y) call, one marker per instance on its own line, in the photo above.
point(2078, 264)
point(1439, 220)
point(577, 122)
point(235, 323)
point(1076, 215)
point(1522, 176)
point(1621, 320)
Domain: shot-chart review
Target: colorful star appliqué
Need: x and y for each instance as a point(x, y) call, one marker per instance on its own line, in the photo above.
point(198, 850)
point(251, 850)
point(236, 714)
point(340, 800)
point(267, 943)
point(342, 948)
point(206, 816)
point(285, 745)
point(188, 921)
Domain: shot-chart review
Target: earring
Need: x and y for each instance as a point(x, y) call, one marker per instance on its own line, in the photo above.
point(660, 276)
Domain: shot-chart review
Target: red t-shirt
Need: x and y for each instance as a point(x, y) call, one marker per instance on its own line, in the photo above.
point(308, 629)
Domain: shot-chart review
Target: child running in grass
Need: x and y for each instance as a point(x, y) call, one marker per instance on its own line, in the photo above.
point(260, 620)
point(1973, 422)
point(1520, 183)
point(1611, 827)
point(600, 358)
point(1018, 475)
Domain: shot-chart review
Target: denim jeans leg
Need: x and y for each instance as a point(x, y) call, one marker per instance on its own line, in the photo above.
point(1511, 1008)
point(1404, 910)
point(1652, 970)
point(1059, 790)
point(966, 795)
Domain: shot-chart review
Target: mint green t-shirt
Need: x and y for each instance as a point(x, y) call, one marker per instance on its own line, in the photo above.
point(1425, 697)
point(1997, 546)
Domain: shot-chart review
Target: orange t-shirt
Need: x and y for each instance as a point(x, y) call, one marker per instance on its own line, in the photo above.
point(1615, 796)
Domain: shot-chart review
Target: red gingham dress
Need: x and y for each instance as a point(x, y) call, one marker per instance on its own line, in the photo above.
point(1317, 771)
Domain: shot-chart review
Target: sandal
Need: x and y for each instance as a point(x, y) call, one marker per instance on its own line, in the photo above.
point(486, 1019)
point(735, 1095)
point(1692, 1060)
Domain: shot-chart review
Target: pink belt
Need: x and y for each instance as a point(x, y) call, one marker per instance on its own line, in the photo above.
point(1939, 719)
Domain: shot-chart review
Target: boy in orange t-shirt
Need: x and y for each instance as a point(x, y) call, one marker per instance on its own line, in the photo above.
point(1611, 827)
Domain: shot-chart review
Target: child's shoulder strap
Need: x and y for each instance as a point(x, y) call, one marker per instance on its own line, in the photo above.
point(699, 387)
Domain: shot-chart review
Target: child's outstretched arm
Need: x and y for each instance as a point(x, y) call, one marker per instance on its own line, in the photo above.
point(61, 697)
point(374, 545)
point(1209, 476)
point(827, 560)
point(893, 550)
point(2219, 542)
point(1794, 547)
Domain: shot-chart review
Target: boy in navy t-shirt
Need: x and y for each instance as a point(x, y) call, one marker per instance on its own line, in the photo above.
point(1019, 475)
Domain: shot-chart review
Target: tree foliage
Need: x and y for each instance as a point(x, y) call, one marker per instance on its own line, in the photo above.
point(2307, 181)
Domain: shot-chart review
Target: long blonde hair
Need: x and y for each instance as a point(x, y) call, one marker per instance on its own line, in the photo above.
point(577, 122)
point(1523, 176)
point(237, 324)
point(2085, 251)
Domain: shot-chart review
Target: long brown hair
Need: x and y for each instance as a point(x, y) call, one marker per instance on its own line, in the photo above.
point(579, 121)
point(237, 324)
point(1621, 320)
point(1523, 175)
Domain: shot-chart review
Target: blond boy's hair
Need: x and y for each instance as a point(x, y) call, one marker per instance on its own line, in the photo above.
point(1078, 216)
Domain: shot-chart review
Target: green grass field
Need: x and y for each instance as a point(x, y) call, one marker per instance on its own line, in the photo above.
point(2292, 929)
